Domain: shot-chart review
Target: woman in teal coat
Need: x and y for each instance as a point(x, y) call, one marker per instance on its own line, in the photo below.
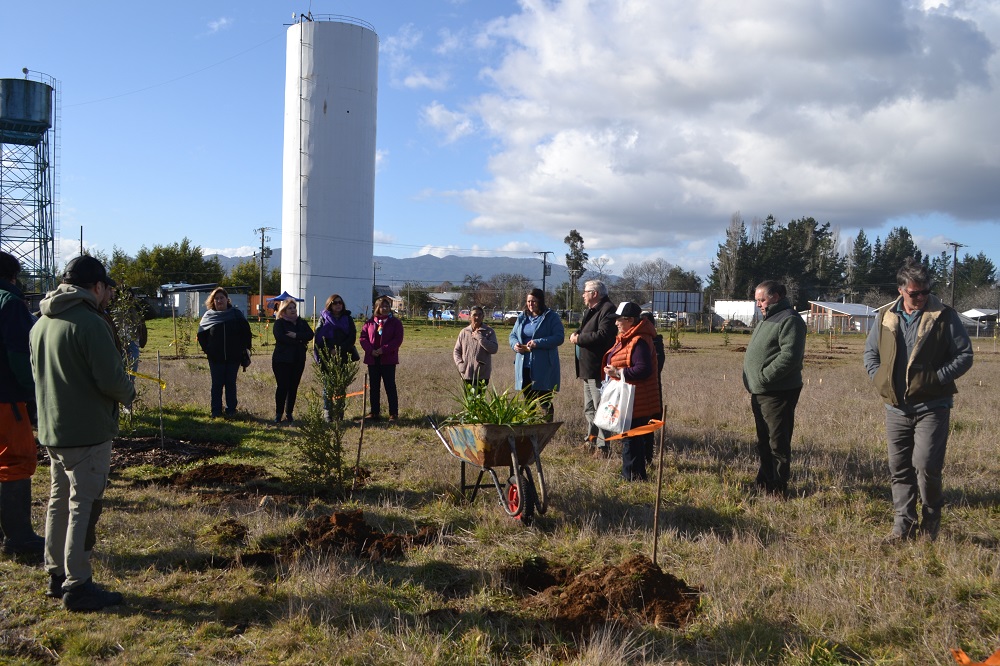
point(535, 339)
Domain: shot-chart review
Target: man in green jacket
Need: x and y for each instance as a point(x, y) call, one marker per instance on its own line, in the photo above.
point(772, 373)
point(914, 353)
point(79, 382)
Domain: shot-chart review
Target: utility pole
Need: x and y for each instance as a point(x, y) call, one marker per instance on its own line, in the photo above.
point(954, 268)
point(546, 269)
point(265, 252)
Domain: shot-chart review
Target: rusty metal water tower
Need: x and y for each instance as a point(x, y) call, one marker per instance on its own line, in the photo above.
point(28, 149)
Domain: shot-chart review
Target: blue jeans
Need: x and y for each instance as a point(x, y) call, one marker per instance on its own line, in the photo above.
point(223, 377)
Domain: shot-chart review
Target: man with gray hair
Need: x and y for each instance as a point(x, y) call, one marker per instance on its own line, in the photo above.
point(80, 380)
point(772, 373)
point(914, 353)
point(594, 337)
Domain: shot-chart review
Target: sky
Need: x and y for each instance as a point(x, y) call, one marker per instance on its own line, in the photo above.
point(643, 124)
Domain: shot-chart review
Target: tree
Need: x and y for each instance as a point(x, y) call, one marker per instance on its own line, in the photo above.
point(859, 265)
point(599, 264)
point(511, 290)
point(576, 260)
point(179, 262)
point(729, 267)
point(415, 296)
point(247, 274)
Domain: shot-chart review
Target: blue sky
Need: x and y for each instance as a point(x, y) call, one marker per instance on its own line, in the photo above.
point(644, 124)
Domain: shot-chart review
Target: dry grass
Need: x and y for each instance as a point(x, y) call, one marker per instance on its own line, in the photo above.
point(804, 581)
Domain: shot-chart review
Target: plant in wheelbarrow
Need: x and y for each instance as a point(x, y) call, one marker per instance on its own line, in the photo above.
point(320, 439)
point(501, 430)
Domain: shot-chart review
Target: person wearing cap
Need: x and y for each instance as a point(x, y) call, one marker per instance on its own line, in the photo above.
point(225, 336)
point(80, 381)
point(772, 374)
point(632, 359)
point(535, 339)
point(593, 338)
point(18, 453)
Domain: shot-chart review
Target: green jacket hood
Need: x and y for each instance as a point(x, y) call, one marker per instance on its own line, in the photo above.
point(67, 296)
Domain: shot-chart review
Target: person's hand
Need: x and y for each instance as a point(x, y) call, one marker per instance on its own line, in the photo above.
point(521, 349)
point(612, 371)
point(377, 352)
point(290, 334)
point(531, 344)
point(573, 338)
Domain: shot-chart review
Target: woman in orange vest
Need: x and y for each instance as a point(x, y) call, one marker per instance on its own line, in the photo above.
point(633, 360)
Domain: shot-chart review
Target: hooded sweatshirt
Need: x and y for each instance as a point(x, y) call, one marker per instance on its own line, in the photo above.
point(79, 374)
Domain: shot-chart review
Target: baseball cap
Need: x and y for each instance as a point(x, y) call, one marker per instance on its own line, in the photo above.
point(86, 270)
point(628, 309)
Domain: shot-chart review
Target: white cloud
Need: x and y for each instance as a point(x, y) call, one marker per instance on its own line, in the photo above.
point(452, 124)
point(647, 124)
point(219, 24)
point(241, 251)
point(418, 79)
point(438, 250)
point(383, 237)
point(380, 158)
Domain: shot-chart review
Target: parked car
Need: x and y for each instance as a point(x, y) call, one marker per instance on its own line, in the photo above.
point(464, 315)
point(510, 316)
point(497, 314)
point(442, 315)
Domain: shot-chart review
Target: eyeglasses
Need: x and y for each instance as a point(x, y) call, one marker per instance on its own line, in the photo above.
point(337, 303)
point(921, 292)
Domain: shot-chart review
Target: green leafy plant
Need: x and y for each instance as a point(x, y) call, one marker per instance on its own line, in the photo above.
point(674, 337)
point(481, 404)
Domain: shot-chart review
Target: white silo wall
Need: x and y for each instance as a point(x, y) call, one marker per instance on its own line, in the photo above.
point(328, 193)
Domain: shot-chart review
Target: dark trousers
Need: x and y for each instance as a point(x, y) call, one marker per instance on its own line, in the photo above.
point(379, 374)
point(223, 377)
point(544, 397)
point(635, 452)
point(287, 375)
point(774, 414)
point(917, 444)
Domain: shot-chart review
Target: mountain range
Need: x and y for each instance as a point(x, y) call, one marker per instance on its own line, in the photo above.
point(431, 271)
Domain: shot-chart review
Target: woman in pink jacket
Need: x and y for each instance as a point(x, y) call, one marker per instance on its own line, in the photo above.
point(381, 337)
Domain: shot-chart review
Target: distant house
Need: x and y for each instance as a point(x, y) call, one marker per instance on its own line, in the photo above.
point(986, 321)
point(840, 317)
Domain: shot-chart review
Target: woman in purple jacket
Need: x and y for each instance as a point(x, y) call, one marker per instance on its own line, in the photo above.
point(381, 337)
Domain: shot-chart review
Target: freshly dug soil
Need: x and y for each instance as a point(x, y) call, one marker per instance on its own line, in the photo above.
point(219, 474)
point(343, 532)
point(634, 591)
point(137, 451)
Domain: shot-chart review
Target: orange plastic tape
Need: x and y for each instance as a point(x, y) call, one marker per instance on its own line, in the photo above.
point(652, 426)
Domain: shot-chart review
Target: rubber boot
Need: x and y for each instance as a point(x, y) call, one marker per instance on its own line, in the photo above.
point(15, 518)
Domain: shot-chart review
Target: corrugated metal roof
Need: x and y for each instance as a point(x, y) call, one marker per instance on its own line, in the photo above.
point(850, 309)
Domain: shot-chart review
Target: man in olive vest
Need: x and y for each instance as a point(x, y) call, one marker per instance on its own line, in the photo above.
point(914, 353)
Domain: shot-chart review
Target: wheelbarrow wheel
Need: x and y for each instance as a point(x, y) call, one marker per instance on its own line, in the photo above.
point(521, 497)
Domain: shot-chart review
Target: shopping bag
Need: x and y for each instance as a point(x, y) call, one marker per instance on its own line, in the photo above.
point(614, 412)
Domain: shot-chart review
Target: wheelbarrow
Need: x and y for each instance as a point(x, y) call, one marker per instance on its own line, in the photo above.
point(487, 447)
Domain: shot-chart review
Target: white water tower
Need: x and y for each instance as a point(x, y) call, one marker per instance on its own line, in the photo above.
point(328, 193)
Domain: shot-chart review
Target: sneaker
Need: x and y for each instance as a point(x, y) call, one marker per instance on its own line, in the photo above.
point(899, 534)
point(90, 597)
point(55, 590)
point(392, 418)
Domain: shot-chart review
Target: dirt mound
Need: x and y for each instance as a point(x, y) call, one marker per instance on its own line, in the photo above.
point(219, 474)
point(132, 452)
point(342, 532)
point(347, 532)
point(634, 591)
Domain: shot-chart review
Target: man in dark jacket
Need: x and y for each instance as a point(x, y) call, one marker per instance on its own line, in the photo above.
point(772, 373)
point(18, 453)
point(593, 339)
point(914, 353)
point(80, 382)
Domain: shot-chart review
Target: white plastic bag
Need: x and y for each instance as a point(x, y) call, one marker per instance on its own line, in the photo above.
point(614, 413)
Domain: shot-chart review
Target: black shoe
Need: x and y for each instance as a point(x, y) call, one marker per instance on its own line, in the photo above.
point(33, 545)
point(55, 590)
point(90, 597)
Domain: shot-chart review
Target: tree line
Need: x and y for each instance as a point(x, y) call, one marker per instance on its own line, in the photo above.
point(806, 256)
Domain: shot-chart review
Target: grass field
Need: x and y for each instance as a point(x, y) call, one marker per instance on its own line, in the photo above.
point(803, 581)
